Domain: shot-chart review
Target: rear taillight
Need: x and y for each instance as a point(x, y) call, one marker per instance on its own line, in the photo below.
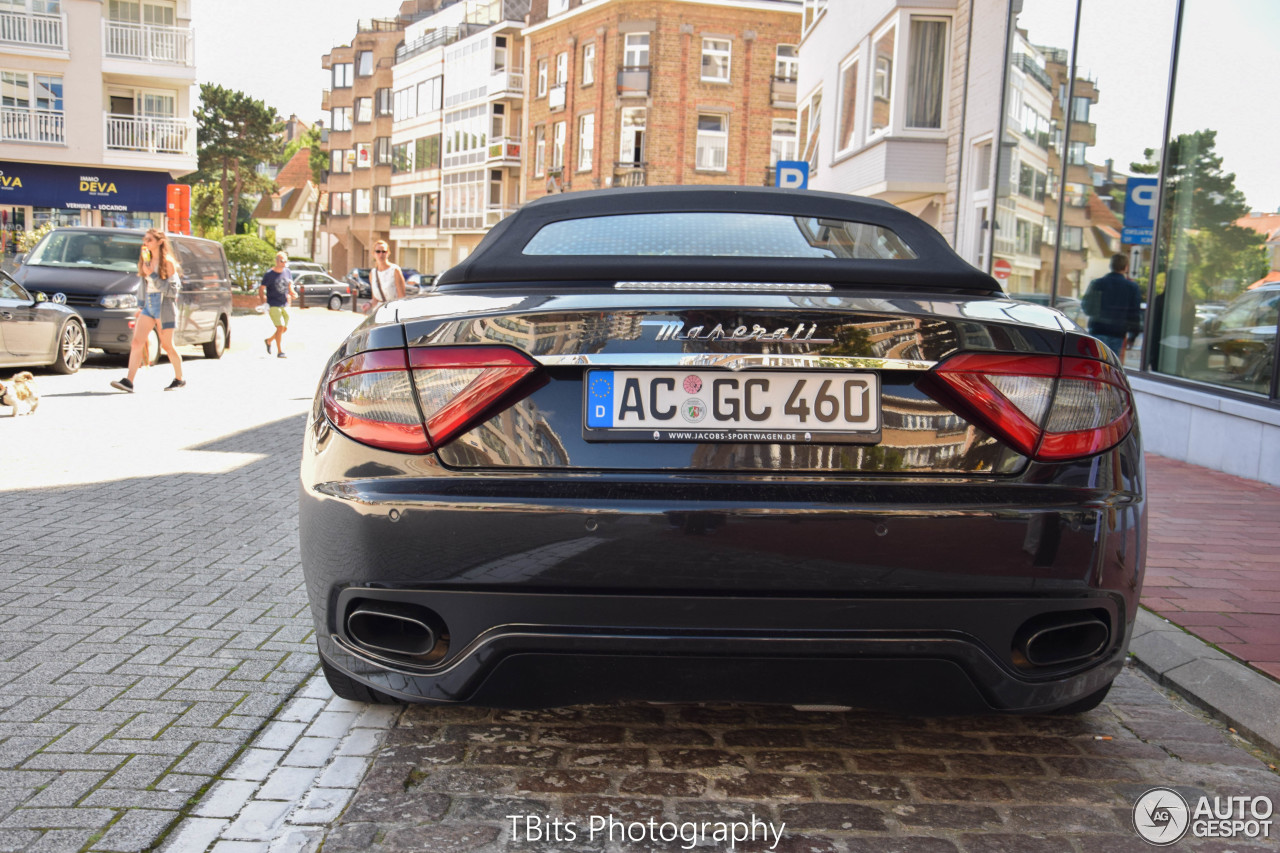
point(416, 401)
point(1047, 407)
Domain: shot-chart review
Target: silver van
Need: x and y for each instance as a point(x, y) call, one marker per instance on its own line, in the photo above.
point(95, 272)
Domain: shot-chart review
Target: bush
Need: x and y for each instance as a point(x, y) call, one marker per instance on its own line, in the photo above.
point(248, 256)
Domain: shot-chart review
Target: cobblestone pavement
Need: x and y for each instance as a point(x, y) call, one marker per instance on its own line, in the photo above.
point(488, 781)
point(153, 616)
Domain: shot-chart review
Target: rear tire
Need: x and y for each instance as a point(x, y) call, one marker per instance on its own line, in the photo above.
point(348, 688)
point(1088, 703)
point(216, 347)
point(335, 302)
point(73, 348)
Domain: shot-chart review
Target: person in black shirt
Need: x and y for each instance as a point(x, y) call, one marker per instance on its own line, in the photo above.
point(277, 291)
point(1114, 305)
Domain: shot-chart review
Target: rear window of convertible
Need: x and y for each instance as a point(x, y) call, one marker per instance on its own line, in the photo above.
point(729, 235)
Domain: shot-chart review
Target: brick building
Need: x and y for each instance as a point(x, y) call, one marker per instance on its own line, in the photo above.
point(636, 92)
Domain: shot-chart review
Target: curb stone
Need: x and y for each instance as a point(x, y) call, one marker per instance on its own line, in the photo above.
point(1216, 682)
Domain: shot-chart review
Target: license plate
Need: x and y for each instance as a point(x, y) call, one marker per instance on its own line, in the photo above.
point(786, 407)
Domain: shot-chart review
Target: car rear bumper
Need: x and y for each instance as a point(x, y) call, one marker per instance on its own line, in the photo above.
point(548, 590)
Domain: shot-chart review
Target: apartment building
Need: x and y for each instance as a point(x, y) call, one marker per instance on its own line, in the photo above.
point(95, 110)
point(360, 116)
point(458, 107)
point(648, 92)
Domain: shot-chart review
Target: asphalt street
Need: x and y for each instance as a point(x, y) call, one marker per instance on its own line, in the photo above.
point(159, 689)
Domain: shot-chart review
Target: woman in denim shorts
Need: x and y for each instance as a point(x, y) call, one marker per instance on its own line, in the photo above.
point(157, 307)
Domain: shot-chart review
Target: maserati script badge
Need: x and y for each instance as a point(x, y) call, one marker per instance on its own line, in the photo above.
point(801, 334)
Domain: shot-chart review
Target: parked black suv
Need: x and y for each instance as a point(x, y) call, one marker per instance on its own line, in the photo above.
point(96, 270)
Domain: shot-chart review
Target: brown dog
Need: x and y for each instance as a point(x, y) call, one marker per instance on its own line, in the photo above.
point(20, 393)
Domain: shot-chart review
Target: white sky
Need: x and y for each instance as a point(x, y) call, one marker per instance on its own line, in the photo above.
point(271, 50)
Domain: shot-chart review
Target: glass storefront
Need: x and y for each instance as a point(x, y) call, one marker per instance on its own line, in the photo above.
point(1121, 135)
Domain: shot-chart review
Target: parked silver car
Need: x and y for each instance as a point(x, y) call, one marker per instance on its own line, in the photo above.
point(36, 332)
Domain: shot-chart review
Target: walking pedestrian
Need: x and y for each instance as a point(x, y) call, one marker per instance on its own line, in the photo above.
point(386, 281)
point(277, 291)
point(1114, 305)
point(157, 307)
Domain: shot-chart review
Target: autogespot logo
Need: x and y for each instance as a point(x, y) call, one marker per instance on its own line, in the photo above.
point(1161, 816)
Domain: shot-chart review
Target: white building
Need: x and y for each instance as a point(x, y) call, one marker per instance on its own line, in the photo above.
point(95, 110)
point(457, 100)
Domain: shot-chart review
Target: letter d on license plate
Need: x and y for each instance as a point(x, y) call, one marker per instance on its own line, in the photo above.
point(788, 407)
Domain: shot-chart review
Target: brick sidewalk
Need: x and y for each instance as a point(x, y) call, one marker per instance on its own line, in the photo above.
point(1213, 565)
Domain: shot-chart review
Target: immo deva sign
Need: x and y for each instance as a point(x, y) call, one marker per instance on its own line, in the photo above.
point(77, 188)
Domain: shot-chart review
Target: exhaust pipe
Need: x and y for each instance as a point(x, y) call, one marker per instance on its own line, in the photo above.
point(398, 629)
point(1054, 640)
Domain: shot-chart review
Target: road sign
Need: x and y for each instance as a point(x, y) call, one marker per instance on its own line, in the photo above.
point(1140, 199)
point(791, 174)
point(1001, 269)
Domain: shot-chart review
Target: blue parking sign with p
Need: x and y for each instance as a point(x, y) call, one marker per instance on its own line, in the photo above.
point(1140, 199)
point(791, 175)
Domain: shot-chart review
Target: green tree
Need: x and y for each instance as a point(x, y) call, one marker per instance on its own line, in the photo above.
point(1199, 208)
point(235, 133)
point(248, 257)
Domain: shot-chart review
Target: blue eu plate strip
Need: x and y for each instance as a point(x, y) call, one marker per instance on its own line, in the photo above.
point(600, 399)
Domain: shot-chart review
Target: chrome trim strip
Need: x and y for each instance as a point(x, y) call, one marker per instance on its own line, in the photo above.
point(726, 286)
point(732, 361)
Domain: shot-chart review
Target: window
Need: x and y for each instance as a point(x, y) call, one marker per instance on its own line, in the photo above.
point(589, 64)
point(1080, 110)
point(557, 146)
point(402, 211)
point(499, 53)
point(466, 137)
point(427, 153)
point(1076, 153)
point(340, 118)
point(401, 158)
point(382, 151)
point(783, 143)
point(498, 125)
point(715, 59)
point(360, 199)
point(848, 105)
point(495, 188)
point(982, 167)
point(340, 204)
point(382, 199)
point(1072, 238)
point(431, 95)
point(562, 68)
point(1028, 237)
point(539, 151)
point(342, 75)
point(364, 155)
point(586, 140)
point(426, 210)
point(813, 10)
point(405, 103)
point(1077, 194)
point(713, 142)
point(364, 63)
point(339, 162)
point(786, 66)
point(636, 50)
point(926, 76)
point(364, 110)
point(810, 123)
point(882, 82)
point(542, 78)
point(383, 103)
point(631, 139)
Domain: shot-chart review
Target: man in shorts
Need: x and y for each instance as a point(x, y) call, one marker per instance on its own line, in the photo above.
point(277, 291)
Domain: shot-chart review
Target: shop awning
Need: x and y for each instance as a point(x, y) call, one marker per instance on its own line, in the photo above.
point(82, 188)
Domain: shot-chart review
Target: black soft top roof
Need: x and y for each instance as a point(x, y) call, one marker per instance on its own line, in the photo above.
point(499, 258)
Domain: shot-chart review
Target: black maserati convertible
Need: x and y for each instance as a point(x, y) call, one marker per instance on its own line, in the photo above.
point(722, 444)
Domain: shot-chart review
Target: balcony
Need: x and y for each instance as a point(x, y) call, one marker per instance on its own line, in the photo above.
point(555, 97)
point(629, 174)
point(503, 151)
point(633, 81)
point(147, 135)
point(506, 84)
point(782, 92)
point(22, 124)
point(495, 213)
point(32, 30)
point(148, 43)
point(326, 96)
